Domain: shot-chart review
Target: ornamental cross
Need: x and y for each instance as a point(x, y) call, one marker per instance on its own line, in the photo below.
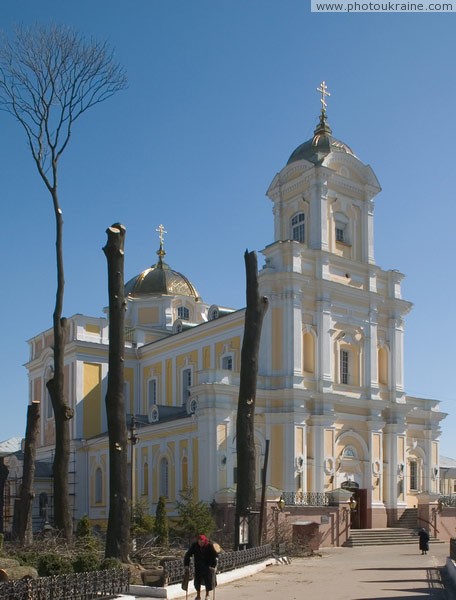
point(161, 231)
point(322, 89)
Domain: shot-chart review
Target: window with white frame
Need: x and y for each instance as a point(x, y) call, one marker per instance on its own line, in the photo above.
point(183, 313)
point(413, 474)
point(341, 228)
point(152, 392)
point(227, 362)
point(164, 477)
point(298, 232)
point(186, 385)
point(344, 366)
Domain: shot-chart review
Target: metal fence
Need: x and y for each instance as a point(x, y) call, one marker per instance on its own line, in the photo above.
point(227, 561)
point(449, 500)
point(453, 548)
point(305, 498)
point(77, 586)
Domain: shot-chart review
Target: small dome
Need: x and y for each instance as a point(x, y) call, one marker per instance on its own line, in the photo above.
point(322, 143)
point(160, 280)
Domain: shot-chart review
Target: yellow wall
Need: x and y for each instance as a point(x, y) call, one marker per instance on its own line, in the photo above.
point(148, 315)
point(92, 399)
point(276, 455)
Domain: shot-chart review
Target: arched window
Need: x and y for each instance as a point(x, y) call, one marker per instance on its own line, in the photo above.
point(298, 229)
point(98, 486)
point(164, 477)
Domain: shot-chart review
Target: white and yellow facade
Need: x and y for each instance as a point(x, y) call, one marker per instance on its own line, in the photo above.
point(330, 395)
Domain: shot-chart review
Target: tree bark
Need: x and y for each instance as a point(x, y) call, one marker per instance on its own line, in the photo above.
point(28, 475)
point(245, 422)
point(118, 534)
point(4, 472)
point(62, 412)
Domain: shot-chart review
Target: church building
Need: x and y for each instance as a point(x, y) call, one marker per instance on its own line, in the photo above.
point(330, 392)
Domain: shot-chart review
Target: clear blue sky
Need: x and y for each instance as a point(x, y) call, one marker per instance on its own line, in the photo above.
point(220, 93)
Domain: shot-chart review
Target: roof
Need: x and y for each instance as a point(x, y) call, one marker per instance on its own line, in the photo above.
point(159, 280)
point(322, 144)
point(10, 446)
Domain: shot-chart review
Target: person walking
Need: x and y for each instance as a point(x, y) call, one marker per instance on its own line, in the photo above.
point(205, 559)
point(424, 540)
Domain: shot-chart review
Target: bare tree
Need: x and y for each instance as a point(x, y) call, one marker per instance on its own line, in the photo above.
point(245, 422)
point(49, 77)
point(118, 534)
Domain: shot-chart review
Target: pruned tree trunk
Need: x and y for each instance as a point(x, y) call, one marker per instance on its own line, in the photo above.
point(62, 412)
point(118, 534)
point(4, 472)
point(245, 422)
point(28, 475)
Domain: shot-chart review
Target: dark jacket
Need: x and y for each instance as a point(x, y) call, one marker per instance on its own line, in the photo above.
point(424, 539)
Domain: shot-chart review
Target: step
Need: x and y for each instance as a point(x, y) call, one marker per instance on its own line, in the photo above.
point(383, 537)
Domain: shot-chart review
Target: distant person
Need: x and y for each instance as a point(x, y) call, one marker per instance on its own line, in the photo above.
point(424, 540)
point(205, 559)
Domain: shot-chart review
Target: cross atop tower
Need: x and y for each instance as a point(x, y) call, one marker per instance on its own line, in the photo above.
point(161, 234)
point(322, 89)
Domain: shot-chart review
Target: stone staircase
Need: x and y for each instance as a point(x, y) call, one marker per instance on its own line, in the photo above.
point(384, 537)
point(408, 519)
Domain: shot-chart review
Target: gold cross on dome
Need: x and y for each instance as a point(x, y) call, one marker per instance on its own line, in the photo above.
point(322, 89)
point(161, 234)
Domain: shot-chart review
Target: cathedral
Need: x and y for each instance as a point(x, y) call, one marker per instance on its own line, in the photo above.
point(331, 401)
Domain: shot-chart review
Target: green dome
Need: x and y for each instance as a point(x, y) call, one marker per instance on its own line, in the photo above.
point(322, 143)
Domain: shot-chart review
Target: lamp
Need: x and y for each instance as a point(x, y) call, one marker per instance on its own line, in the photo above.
point(281, 504)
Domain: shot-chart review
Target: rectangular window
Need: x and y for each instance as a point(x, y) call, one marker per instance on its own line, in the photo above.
point(344, 375)
point(186, 385)
point(413, 467)
point(298, 228)
point(340, 234)
point(152, 392)
point(227, 363)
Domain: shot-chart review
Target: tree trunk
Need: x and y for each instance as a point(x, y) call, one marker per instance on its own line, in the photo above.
point(62, 412)
point(28, 475)
point(118, 534)
point(245, 425)
point(4, 471)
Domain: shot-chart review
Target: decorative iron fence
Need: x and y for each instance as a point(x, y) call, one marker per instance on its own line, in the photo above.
point(453, 548)
point(305, 498)
point(77, 586)
point(227, 561)
point(448, 500)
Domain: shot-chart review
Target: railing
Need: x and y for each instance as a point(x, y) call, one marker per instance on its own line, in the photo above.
point(448, 500)
point(77, 586)
point(453, 548)
point(305, 498)
point(227, 561)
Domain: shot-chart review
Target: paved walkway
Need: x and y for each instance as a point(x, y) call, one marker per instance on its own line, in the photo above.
point(349, 574)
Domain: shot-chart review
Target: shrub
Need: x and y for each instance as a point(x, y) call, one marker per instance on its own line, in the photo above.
point(161, 529)
point(194, 516)
point(53, 564)
point(110, 563)
point(84, 528)
point(86, 562)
